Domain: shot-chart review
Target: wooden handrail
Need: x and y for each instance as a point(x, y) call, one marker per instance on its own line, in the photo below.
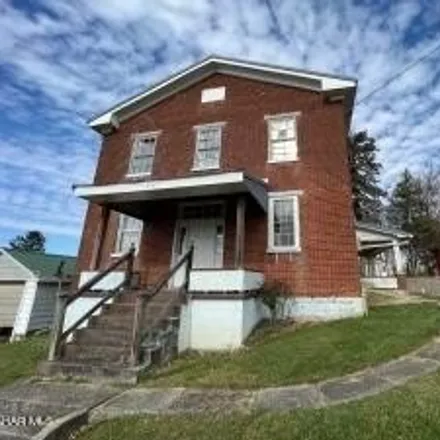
point(99, 276)
point(143, 298)
point(64, 300)
point(90, 312)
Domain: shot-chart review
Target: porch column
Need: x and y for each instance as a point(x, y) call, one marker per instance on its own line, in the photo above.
point(240, 232)
point(398, 258)
point(100, 237)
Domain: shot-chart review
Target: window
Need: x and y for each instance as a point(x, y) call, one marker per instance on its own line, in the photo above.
point(283, 224)
point(208, 144)
point(142, 156)
point(129, 233)
point(282, 136)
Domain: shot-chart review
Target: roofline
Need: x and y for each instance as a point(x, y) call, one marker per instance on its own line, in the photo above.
point(382, 230)
point(230, 182)
point(35, 275)
point(280, 67)
point(19, 263)
point(226, 62)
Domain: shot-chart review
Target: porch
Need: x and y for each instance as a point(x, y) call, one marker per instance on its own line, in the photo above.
point(381, 255)
point(214, 213)
point(220, 217)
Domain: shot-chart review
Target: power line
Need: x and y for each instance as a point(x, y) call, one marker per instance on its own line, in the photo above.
point(276, 23)
point(399, 74)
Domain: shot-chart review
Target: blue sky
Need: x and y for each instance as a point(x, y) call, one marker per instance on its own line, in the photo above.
point(63, 61)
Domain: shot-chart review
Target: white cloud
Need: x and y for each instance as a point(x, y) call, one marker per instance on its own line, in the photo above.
point(64, 61)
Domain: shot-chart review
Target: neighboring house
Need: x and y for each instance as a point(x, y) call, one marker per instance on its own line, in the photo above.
point(248, 163)
point(382, 254)
point(29, 282)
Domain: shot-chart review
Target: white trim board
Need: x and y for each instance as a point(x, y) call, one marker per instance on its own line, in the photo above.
point(264, 72)
point(209, 185)
point(24, 310)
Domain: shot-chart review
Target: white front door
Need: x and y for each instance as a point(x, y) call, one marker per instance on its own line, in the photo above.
point(206, 235)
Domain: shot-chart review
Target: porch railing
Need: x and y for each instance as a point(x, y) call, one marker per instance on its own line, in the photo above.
point(64, 299)
point(142, 299)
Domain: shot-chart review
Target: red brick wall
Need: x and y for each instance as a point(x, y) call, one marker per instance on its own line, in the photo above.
point(327, 263)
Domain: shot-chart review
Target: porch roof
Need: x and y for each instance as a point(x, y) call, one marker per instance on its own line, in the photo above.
point(377, 238)
point(237, 182)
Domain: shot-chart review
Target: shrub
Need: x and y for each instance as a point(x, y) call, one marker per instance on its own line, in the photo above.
point(272, 295)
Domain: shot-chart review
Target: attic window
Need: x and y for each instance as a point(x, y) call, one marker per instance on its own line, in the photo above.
point(214, 94)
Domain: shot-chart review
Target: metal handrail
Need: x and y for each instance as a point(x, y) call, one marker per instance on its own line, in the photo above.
point(143, 298)
point(90, 312)
point(99, 276)
point(159, 286)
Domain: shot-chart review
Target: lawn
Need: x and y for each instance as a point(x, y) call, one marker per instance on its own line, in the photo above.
point(309, 353)
point(406, 413)
point(19, 359)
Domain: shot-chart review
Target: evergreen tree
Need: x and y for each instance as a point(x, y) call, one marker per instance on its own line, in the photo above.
point(365, 171)
point(31, 241)
point(405, 202)
point(414, 206)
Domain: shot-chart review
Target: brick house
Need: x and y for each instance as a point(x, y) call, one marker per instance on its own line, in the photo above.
point(246, 162)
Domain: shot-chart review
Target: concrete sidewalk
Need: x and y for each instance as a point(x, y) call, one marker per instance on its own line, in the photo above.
point(329, 392)
point(31, 410)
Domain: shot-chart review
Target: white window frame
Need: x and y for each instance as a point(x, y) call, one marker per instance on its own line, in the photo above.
point(293, 157)
point(118, 252)
point(294, 197)
point(198, 129)
point(140, 137)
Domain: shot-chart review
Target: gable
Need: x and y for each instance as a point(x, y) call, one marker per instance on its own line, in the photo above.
point(45, 265)
point(247, 95)
point(307, 80)
point(11, 269)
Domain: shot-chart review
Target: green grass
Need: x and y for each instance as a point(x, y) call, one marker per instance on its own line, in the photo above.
point(377, 298)
point(309, 353)
point(410, 412)
point(19, 359)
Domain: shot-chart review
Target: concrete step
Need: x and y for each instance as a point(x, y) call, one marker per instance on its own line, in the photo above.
point(153, 309)
point(115, 323)
point(95, 336)
point(119, 309)
point(124, 324)
point(98, 353)
point(106, 342)
point(101, 370)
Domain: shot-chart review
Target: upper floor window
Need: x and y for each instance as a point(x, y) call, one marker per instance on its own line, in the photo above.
point(282, 138)
point(208, 146)
point(142, 155)
point(129, 234)
point(283, 222)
